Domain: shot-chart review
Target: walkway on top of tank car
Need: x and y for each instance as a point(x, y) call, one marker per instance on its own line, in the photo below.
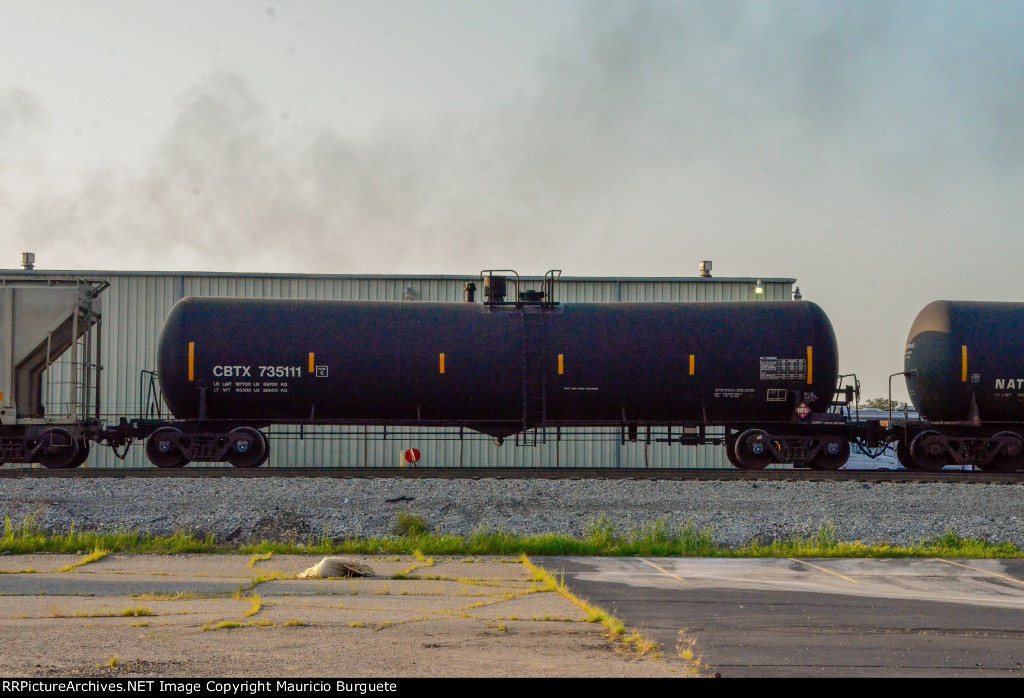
point(708, 474)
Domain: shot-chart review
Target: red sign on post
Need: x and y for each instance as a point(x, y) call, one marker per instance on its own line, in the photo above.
point(412, 455)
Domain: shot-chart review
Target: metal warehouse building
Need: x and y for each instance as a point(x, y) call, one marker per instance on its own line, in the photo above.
point(136, 303)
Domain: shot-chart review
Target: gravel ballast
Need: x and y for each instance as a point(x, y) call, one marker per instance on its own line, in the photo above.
point(298, 509)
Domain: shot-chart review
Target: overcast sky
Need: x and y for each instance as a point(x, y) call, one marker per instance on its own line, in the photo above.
point(873, 150)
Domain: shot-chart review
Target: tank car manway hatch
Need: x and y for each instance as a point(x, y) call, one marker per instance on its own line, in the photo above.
point(49, 402)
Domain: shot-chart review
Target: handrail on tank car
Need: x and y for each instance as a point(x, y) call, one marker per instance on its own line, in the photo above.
point(494, 289)
point(550, 278)
point(850, 394)
point(151, 395)
point(911, 372)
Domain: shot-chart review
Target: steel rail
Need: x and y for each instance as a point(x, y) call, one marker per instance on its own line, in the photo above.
point(951, 476)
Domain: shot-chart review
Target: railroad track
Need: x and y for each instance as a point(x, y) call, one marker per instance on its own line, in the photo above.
point(952, 476)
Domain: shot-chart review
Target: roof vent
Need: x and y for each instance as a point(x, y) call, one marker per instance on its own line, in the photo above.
point(705, 269)
point(28, 261)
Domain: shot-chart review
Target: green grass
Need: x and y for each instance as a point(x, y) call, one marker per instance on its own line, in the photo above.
point(58, 612)
point(98, 553)
point(222, 625)
point(27, 538)
point(256, 604)
point(423, 561)
point(615, 629)
point(136, 612)
point(601, 537)
point(259, 558)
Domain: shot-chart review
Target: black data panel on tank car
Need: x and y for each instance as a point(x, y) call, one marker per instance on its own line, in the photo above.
point(966, 361)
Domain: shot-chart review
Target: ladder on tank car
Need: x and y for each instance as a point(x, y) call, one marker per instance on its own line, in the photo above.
point(533, 307)
point(534, 403)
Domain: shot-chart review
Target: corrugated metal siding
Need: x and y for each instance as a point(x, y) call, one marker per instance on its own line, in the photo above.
point(135, 305)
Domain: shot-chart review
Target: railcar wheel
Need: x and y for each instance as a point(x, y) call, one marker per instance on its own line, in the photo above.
point(730, 453)
point(59, 449)
point(163, 448)
point(751, 451)
point(83, 454)
point(248, 449)
point(833, 456)
point(1010, 458)
point(928, 451)
point(903, 455)
point(266, 448)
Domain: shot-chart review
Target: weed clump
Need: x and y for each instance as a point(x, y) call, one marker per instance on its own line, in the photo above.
point(98, 553)
point(409, 524)
point(136, 612)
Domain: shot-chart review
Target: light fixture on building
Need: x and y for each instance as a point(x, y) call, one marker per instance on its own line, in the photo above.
point(759, 288)
point(409, 293)
point(796, 294)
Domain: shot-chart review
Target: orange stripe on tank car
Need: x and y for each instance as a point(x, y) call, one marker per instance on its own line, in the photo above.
point(963, 370)
point(312, 364)
point(442, 363)
point(561, 364)
point(691, 364)
point(810, 365)
point(191, 361)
